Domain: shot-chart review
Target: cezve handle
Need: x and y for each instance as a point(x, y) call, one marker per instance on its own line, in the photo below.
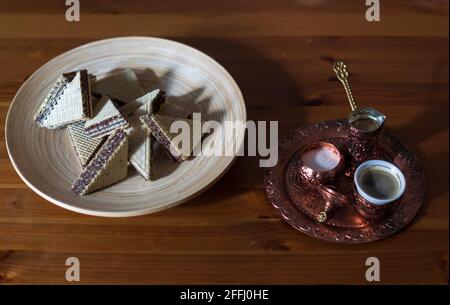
point(342, 74)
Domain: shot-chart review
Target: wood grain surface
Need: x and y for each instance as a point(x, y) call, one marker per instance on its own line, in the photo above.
point(280, 54)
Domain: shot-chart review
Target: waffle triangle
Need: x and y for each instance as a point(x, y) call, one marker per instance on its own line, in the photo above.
point(122, 85)
point(159, 126)
point(84, 145)
point(141, 139)
point(160, 105)
point(107, 119)
point(69, 101)
point(107, 167)
point(154, 98)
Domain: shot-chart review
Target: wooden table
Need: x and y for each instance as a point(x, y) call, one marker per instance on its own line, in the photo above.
point(280, 54)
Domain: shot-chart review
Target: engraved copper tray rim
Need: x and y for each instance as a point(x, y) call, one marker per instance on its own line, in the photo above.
point(405, 212)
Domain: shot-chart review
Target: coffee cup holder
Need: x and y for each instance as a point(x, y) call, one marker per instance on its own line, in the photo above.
point(326, 210)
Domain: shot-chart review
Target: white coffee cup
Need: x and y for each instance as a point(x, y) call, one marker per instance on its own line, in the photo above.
point(392, 172)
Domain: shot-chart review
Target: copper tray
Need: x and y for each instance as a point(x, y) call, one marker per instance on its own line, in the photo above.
point(299, 204)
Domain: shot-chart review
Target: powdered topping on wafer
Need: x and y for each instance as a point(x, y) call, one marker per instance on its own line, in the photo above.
point(107, 118)
point(68, 101)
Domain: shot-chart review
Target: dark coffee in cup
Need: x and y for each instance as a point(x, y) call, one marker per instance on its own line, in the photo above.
point(379, 183)
point(378, 186)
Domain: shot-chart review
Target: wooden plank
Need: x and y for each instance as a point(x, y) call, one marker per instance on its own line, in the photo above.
point(208, 8)
point(280, 53)
point(216, 222)
point(399, 268)
point(288, 23)
point(296, 70)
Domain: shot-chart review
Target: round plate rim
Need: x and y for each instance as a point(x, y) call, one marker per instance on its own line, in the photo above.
point(128, 213)
point(270, 181)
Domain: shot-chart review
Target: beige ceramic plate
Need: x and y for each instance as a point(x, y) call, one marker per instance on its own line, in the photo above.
point(47, 163)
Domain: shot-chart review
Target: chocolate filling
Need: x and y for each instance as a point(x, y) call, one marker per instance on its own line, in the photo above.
point(103, 125)
point(85, 93)
point(107, 129)
point(72, 130)
point(52, 99)
point(98, 162)
point(159, 136)
point(55, 95)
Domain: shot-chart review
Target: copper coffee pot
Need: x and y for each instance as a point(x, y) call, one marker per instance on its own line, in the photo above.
point(365, 123)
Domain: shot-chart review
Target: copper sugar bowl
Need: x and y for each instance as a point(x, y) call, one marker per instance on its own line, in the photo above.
point(315, 173)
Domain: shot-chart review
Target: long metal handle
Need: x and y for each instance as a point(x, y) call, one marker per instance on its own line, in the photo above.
point(342, 74)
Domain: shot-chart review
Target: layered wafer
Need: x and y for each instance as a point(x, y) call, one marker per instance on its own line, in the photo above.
point(108, 166)
point(179, 145)
point(107, 119)
point(154, 99)
point(84, 146)
point(122, 85)
point(68, 101)
point(141, 139)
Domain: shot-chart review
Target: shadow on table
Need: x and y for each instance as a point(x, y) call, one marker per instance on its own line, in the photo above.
point(247, 65)
point(264, 102)
point(240, 60)
point(428, 120)
point(433, 188)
